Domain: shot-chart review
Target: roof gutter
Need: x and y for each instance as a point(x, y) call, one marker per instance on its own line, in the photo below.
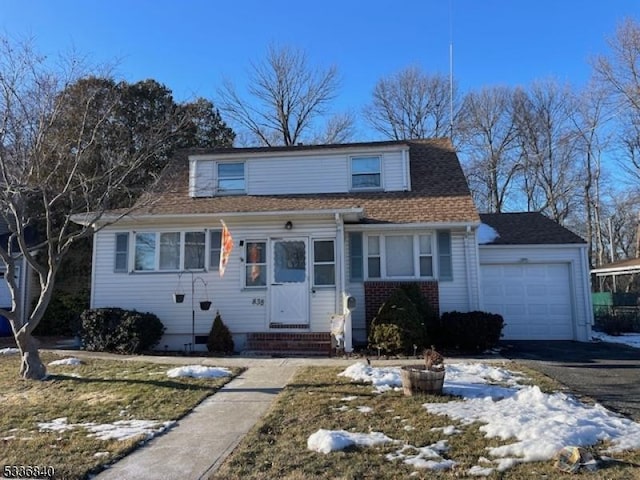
point(355, 213)
point(408, 226)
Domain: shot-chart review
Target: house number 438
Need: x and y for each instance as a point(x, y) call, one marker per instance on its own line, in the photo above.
point(258, 301)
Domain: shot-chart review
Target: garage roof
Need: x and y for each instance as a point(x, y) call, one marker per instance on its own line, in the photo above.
point(528, 228)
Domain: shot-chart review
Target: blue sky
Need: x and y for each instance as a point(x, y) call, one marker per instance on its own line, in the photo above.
point(190, 45)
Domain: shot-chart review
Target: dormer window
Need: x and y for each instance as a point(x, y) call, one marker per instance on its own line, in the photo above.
point(366, 173)
point(230, 178)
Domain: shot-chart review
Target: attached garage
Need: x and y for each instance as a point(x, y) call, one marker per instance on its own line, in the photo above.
point(535, 274)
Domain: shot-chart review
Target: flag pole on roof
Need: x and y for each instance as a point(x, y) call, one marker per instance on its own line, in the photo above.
point(226, 245)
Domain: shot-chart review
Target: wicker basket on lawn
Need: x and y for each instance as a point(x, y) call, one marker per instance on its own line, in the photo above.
point(416, 379)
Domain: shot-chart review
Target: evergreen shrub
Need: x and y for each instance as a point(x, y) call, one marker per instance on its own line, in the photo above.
point(121, 331)
point(470, 331)
point(400, 311)
point(220, 339)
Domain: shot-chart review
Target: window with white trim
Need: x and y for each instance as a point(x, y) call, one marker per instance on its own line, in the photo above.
point(255, 264)
point(215, 247)
point(373, 257)
point(121, 261)
point(194, 250)
point(366, 173)
point(230, 178)
point(169, 251)
point(324, 263)
point(400, 256)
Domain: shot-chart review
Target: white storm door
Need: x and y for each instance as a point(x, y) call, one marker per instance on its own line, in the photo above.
point(289, 289)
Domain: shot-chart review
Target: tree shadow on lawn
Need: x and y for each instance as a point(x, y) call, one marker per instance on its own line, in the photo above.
point(155, 383)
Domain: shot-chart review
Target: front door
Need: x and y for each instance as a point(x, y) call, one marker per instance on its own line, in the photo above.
point(290, 283)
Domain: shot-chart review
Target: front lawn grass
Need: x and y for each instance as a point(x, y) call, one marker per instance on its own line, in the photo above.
point(277, 446)
point(98, 391)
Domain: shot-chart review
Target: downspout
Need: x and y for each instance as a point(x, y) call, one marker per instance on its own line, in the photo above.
point(588, 303)
point(341, 282)
point(472, 302)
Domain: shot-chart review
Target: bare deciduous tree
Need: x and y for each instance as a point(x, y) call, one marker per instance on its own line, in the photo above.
point(547, 149)
point(487, 135)
point(619, 74)
point(411, 104)
point(286, 99)
point(52, 171)
point(588, 116)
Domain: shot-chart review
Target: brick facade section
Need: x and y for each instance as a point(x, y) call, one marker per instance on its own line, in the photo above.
point(312, 343)
point(376, 293)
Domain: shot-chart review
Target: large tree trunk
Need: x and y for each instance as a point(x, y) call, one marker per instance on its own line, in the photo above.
point(31, 366)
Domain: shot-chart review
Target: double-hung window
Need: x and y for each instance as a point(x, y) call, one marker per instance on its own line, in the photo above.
point(121, 263)
point(366, 173)
point(194, 250)
point(400, 256)
point(324, 263)
point(168, 251)
point(256, 264)
point(231, 178)
point(215, 247)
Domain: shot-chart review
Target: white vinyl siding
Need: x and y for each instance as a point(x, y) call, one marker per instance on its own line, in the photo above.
point(242, 309)
point(307, 172)
point(461, 293)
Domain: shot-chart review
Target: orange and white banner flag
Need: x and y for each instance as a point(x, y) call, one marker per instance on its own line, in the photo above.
point(226, 245)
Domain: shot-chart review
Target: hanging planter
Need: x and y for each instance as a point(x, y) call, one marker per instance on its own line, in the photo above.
point(178, 297)
point(205, 305)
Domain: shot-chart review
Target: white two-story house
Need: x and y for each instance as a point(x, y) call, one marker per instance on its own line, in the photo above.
point(312, 226)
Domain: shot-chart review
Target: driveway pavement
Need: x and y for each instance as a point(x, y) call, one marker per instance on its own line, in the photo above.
point(608, 373)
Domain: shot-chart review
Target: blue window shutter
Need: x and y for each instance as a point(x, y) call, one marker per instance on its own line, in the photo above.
point(445, 265)
point(355, 257)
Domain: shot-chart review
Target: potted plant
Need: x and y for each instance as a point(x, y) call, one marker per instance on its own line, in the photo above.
point(427, 378)
point(205, 305)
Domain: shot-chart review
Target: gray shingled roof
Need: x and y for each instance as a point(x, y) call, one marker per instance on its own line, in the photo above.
point(439, 189)
point(528, 228)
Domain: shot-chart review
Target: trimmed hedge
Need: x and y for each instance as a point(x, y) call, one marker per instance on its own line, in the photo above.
point(400, 311)
point(469, 331)
point(121, 331)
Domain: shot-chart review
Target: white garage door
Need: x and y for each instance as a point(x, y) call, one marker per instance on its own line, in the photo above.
point(533, 299)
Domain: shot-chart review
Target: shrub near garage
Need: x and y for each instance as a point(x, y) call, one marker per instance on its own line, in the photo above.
point(470, 331)
point(401, 312)
point(121, 331)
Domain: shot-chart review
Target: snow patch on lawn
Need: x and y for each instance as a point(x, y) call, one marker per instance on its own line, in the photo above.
point(199, 371)
point(120, 430)
point(72, 361)
point(327, 441)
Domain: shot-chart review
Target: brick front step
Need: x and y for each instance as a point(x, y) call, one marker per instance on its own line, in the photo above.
point(289, 343)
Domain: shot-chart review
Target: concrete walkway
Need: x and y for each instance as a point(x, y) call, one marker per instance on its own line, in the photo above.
point(199, 443)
